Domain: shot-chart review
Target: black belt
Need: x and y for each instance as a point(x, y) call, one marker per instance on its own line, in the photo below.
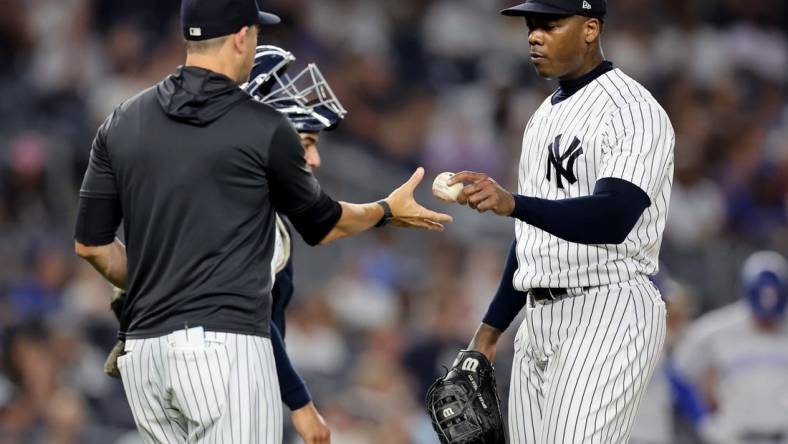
point(550, 294)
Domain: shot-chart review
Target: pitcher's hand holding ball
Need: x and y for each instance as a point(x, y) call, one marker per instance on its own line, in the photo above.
point(483, 193)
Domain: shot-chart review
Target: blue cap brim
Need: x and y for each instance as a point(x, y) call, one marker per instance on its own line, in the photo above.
point(266, 18)
point(535, 8)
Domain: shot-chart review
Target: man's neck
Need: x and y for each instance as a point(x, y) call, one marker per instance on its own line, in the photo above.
point(212, 63)
point(588, 65)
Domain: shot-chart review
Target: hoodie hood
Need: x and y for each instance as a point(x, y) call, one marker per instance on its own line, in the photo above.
point(198, 96)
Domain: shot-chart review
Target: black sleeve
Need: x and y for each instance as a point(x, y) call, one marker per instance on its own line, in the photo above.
point(605, 217)
point(100, 210)
point(317, 221)
point(292, 388)
point(507, 302)
point(294, 190)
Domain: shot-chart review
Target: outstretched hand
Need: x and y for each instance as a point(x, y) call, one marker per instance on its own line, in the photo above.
point(408, 213)
point(483, 193)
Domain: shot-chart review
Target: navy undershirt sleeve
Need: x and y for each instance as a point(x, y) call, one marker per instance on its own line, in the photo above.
point(293, 389)
point(507, 302)
point(605, 217)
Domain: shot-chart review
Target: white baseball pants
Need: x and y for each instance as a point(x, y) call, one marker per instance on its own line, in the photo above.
point(582, 364)
point(193, 386)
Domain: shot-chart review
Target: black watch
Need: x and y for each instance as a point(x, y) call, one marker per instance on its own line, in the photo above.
point(387, 214)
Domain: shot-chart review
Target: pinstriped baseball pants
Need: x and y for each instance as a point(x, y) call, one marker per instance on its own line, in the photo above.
point(582, 364)
point(203, 387)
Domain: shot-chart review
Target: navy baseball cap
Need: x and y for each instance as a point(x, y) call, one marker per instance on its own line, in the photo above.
point(588, 8)
point(208, 19)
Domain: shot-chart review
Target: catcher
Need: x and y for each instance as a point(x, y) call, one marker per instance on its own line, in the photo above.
point(311, 106)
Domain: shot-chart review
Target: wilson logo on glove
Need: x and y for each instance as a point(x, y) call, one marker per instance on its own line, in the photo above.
point(470, 365)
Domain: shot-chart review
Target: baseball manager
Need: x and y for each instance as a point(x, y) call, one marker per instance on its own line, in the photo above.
point(195, 169)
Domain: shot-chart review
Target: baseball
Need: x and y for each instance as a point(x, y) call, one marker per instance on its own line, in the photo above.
point(442, 190)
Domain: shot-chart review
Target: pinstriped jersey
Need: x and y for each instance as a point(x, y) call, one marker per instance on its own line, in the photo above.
point(611, 128)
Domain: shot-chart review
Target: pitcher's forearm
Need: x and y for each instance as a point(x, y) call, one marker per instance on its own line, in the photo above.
point(485, 341)
point(355, 219)
point(109, 260)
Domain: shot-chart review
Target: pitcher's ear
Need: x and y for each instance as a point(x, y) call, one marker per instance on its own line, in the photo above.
point(593, 27)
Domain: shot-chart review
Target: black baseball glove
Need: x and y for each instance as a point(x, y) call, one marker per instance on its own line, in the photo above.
point(463, 405)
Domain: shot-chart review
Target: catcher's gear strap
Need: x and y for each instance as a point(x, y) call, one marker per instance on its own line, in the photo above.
point(282, 246)
point(463, 405)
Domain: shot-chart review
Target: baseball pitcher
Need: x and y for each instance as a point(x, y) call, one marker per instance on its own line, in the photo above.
point(595, 177)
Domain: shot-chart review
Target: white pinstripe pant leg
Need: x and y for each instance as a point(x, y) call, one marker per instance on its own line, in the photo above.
point(601, 349)
point(525, 391)
point(254, 407)
point(221, 388)
point(141, 369)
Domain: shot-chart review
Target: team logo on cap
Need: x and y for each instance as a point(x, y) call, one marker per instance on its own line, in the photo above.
point(195, 32)
point(586, 5)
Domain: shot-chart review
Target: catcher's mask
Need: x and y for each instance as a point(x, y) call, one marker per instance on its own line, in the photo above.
point(306, 98)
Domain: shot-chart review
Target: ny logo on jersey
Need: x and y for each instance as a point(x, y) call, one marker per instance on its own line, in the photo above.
point(564, 164)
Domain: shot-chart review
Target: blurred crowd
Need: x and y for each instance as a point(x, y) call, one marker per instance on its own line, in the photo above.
point(446, 84)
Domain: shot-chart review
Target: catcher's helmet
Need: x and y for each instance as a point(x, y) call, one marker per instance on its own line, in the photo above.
point(765, 282)
point(305, 98)
point(269, 62)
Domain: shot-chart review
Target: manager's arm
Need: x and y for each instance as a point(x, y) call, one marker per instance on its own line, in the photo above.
point(100, 214)
point(320, 219)
point(109, 260)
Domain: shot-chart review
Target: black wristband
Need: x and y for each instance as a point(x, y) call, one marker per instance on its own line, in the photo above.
point(387, 214)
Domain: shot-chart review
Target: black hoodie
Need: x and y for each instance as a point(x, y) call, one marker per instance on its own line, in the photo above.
point(196, 169)
point(198, 96)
